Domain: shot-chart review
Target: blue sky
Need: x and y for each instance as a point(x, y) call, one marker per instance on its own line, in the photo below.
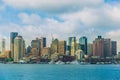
point(36, 18)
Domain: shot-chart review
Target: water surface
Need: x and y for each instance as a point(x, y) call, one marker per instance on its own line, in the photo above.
point(59, 72)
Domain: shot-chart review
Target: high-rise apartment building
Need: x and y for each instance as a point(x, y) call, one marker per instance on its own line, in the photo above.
point(19, 49)
point(12, 37)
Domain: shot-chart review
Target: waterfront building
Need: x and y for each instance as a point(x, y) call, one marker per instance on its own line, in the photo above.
point(83, 43)
point(107, 48)
point(3, 46)
point(35, 45)
point(68, 50)
point(18, 48)
point(98, 47)
point(54, 56)
point(79, 54)
point(114, 47)
point(34, 52)
point(12, 37)
point(7, 53)
point(54, 46)
point(90, 49)
point(73, 46)
point(62, 47)
point(45, 53)
point(28, 51)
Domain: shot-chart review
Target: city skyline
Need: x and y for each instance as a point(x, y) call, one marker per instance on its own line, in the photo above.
point(67, 40)
point(36, 18)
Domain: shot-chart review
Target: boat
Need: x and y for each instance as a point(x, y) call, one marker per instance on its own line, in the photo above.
point(74, 62)
point(51, 62)
point(59, 62)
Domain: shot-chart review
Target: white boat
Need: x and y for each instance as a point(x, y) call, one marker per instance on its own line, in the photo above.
point(51, 62)
point(59, 62)
point(74, 62)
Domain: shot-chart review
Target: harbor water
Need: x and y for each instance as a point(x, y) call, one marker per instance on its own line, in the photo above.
point(59, 72)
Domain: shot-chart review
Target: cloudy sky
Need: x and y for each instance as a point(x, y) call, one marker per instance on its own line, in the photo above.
point(61, 19)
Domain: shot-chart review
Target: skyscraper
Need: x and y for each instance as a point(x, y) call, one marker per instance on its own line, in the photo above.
point(62, 47)
point(68, 50)
point(98, 47)
point(89, 49)
point(35, 44)
point(73, 46)
point(28, 51)
point(114, 47)
point(107, 48)
point(43, 43)
point(54, 46)
point(83, 43)
point(3, 46)
point(12, 37)
point(102, 47)
point(70, 40)
point(18, 48)
point(78, 47)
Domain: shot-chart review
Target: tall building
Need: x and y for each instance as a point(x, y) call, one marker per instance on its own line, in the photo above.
point(68, 50)
point(102, 47)
point(62, 47)
point(83, 43)
point(98, 47)
point(18, 48)
point(45, 53)
point(70, 40)
point(73, 46)
point(78, 46)
point(107, 48)
point(3, 46)
point(54, 46)
point(90, 49)
point(114, 47)
point(28, 51)
point(12, 37)
point(35, 44)
point(43, 43)
point(23, 49)
point(7, 54)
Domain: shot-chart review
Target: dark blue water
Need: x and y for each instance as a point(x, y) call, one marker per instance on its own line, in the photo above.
point(59, 72)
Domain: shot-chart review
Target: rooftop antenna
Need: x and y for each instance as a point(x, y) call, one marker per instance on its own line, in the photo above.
point(52, 37)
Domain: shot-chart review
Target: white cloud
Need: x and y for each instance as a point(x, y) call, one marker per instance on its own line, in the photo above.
point(45, 23)
point(53, 6)
point(29, 19)
point(87, 16)
point(115, 36)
